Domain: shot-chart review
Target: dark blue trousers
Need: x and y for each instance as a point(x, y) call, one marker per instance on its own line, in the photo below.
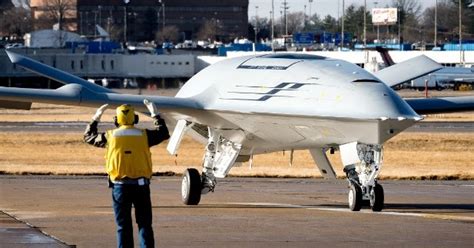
point(124, 196)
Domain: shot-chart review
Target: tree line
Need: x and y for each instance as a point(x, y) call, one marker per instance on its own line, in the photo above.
point(415, 24)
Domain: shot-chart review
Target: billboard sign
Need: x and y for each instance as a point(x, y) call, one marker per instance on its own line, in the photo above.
point(384, 16)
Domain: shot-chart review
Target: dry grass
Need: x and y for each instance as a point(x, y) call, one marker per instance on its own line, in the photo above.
point(409, 155)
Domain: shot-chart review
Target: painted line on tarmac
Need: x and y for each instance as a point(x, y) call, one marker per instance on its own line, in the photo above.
point(406, 214)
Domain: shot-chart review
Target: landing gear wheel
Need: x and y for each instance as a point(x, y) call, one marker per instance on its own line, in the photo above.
point(355, 197)
point(191, 187)
point(377, 198)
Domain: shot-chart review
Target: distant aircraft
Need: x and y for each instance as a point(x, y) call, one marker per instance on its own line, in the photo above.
point(259, 104)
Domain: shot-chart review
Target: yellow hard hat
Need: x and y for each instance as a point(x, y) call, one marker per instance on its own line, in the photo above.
point(126, 115)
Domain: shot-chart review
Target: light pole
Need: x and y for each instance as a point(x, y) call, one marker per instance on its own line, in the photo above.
point(399, 16)
point(80, 17)
point(285, 8)
point(460, 31)
point(125, 23)
point(342, 24)
point(95, 24)
point(164, 17)
point(436, 24)
point(87, 24)
point(365, 23)
point(100, 15)
point(304, 22)
point(378, 26)
point(256, 24)
point(272, 17)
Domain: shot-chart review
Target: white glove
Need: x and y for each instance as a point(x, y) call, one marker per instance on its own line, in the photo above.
point(151, 107)
point(99, 112)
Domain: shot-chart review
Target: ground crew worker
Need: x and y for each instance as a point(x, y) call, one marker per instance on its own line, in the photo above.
point(128, 164)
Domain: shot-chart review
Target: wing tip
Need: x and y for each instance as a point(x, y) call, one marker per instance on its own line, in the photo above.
point(14, 57)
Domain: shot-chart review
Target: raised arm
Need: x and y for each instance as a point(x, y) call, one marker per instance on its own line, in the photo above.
point(91, 135)
point(160, 133)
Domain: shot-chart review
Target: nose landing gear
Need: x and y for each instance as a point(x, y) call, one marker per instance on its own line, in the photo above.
point(362, 177)
point(218, 160)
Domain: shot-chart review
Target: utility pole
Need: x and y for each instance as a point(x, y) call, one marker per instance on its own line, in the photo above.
point(310, 3)
point(285, 8)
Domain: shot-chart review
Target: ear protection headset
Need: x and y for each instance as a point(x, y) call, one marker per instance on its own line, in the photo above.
point(125, 116)
point(135, 121)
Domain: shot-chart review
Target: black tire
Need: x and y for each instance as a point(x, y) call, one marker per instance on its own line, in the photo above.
point(191, 187)
point(377, 198)
point(355, 198)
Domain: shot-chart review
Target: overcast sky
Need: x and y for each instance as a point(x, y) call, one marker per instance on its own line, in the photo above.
point(322, 7)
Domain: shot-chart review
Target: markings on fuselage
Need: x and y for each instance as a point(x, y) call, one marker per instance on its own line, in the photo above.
point(272, 91)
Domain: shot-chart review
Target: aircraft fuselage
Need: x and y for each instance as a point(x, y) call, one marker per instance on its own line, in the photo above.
point(328, 101)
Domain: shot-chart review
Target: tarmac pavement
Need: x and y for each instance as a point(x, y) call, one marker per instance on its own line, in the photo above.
point(246, 212)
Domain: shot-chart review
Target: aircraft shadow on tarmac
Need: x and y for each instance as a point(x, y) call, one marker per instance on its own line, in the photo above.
point(413, 206)
point(393, 206)
point(389, 206)
point(230, 206)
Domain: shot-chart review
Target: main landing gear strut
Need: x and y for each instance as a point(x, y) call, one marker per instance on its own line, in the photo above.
point(362, 177)
point(218, 160)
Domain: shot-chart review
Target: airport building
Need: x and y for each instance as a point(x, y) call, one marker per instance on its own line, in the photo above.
point(140, 20)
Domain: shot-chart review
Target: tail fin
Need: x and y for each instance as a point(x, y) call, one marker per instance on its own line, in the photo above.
point(407, 70)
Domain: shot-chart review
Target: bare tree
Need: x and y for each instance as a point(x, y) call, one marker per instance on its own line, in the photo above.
point(208, 30)
point(15, 22)
point(295, 22)
point(57, 11)
point(168, 33)
point(410, 16)
point(116, 32)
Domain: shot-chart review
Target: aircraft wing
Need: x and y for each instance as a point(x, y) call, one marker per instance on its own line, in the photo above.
point(78, 95)
point(407, 70)
point(441, 105)
point(79, 92)
point(52, 73)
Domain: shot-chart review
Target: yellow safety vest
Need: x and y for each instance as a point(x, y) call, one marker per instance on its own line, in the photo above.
point(128, 154)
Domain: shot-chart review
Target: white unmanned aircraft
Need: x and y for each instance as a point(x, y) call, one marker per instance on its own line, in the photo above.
point(259, 104)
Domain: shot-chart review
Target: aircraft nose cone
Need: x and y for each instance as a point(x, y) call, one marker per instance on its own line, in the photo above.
point(394, 107)
point(381, 102)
